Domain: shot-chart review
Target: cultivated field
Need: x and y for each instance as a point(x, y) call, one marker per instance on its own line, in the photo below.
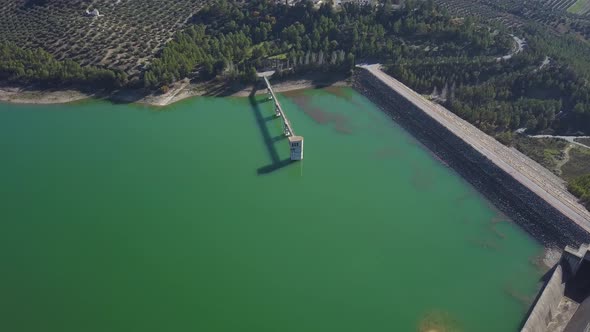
point(561, 15)
point(125, 36)
point(482, 10)
point(580, 7)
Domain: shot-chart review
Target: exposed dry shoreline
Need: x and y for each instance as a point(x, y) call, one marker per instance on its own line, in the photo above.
point(179, 91)
point(19, 95)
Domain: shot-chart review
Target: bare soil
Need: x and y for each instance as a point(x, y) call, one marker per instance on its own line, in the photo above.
point(26, 96)
point(178, 91)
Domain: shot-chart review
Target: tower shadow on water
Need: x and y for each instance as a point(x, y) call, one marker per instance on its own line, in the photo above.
point(269, 141)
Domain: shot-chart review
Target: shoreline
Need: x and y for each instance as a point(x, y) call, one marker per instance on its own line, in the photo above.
point(498, 173)
point(19, 95)
point(509, 200)
point(178, 91)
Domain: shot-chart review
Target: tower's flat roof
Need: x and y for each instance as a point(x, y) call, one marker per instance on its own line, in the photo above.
point(295, 138)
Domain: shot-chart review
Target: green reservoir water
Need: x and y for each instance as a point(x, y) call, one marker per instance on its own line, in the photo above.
point(184, 218)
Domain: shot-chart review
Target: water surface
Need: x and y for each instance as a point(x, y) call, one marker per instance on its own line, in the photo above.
point(189, 218)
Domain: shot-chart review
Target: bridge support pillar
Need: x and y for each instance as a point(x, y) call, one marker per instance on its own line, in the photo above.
point(286, 131)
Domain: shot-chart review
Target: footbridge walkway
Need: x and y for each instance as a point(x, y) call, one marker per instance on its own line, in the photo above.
point(295, 142)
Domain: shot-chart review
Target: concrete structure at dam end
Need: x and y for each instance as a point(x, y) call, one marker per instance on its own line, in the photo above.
point(563, 305)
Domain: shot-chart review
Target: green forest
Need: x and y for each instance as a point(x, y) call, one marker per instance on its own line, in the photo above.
point(538, 89)
point(235, 40)
point(38, 67)
point(453, 59)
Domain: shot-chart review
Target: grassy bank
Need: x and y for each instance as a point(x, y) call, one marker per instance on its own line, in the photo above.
point(570, 161)
point(547, 151)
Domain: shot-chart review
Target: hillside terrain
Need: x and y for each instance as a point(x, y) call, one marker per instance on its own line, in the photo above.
point(543, 89)
point(124, 36)
point(563, 16)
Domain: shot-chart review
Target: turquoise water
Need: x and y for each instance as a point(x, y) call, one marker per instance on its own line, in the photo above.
point(187, 218)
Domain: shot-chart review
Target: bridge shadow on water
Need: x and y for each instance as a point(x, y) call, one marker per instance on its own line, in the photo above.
point(269, 141)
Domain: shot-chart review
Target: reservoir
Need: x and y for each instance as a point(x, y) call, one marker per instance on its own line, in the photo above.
point(123, 217)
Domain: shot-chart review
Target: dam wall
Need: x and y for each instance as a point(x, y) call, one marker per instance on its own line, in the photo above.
point(534, 214)
point(563, 304)
point(546, 306)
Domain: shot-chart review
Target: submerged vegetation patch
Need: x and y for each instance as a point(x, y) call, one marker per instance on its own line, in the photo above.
point(438, 321)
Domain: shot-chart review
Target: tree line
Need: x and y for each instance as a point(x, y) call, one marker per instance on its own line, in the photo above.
point(234, 40)
point(35, 66)
point(538, 89)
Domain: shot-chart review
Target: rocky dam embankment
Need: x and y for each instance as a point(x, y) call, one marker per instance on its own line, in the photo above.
point(540, 217)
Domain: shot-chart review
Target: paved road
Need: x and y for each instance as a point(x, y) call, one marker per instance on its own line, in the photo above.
point(571, 139)
point(519, 46)
point(534, 176)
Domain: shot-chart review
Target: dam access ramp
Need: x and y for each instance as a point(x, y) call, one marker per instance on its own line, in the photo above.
point(295, 142)
point(530, 174)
